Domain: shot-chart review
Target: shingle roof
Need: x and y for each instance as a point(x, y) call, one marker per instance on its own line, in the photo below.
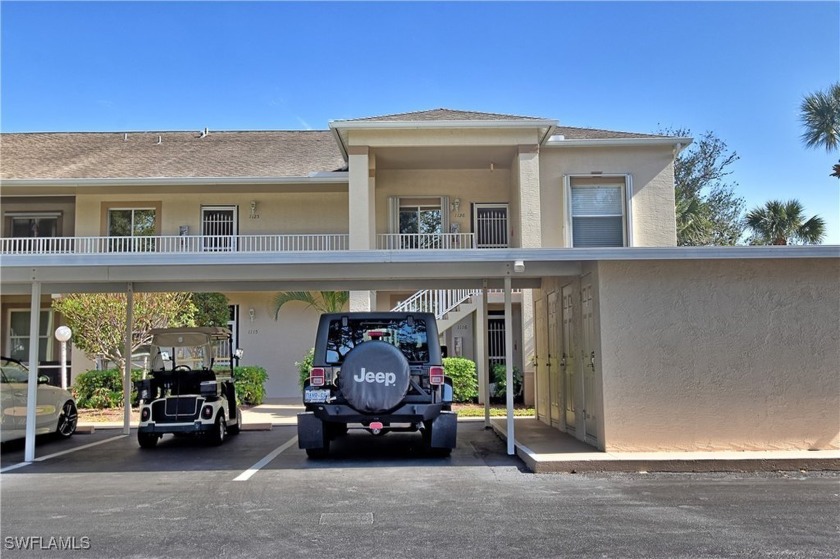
point(94, 155)
point(573, 133)
point(284, 153)
point(442, 114)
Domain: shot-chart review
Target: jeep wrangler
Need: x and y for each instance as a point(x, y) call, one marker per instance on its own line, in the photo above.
point(186, 392)
point(379, 372)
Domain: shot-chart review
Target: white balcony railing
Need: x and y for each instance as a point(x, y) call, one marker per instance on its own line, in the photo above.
point(425, 241)
point(174, 244)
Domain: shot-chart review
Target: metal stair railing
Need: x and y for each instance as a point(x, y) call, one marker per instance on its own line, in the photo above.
point(437, 301)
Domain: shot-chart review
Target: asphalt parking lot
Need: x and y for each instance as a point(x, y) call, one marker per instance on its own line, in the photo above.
point(258, 495)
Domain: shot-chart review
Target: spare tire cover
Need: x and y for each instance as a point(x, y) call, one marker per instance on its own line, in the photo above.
point(374, 377)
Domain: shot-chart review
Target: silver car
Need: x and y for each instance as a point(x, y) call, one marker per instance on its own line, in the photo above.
point(55, 411)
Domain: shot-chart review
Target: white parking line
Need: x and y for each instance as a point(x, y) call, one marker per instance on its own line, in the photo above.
point(246, 475)
point(48, 456)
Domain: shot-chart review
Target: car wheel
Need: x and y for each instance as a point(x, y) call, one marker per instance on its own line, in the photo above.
point(67, 420)
point(234, 429)
point(217, 434)
point(147, 440)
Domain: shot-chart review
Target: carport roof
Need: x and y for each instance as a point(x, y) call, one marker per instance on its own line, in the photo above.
point(344, 270)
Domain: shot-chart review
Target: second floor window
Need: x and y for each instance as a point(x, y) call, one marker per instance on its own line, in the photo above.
point(34, 226)
point(134, 223)
point(420, 218)
point(597, 215)
point(418, 222)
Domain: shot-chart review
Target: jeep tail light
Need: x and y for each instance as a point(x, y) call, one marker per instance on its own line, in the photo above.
point(145, 414)
point(207, 412)
point(317, 376)
point(436, 375)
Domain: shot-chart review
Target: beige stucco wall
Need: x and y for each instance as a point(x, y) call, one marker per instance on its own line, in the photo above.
point(711, 355)
point(277, 212)
point(275, 345)
point(652, 172)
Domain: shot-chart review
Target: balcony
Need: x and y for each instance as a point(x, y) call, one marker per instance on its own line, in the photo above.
point(202, 244)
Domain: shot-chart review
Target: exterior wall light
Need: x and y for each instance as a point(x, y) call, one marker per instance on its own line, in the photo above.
point(251, 314)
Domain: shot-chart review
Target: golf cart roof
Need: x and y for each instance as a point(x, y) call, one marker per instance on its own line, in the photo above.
point(165, 337)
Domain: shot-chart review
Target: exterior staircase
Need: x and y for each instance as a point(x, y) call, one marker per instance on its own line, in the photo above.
point(448, 305)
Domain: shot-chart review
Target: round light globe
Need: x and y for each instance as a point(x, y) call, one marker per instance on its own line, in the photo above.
point(63, 334)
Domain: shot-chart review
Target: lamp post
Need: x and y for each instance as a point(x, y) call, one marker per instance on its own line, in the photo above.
point(63, 335)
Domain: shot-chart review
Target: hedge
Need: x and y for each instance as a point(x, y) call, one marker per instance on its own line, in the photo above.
point(464, 378)
point(102, 389)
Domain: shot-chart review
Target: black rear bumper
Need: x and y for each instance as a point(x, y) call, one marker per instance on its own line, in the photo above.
point(407, 413)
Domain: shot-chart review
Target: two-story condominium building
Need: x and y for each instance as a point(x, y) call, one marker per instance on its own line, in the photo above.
point(549, 247)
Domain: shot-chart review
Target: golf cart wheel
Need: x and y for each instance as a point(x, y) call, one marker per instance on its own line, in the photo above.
point(234, 429)
point(219, 430)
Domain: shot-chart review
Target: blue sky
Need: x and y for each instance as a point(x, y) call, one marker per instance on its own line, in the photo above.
point(737, 69)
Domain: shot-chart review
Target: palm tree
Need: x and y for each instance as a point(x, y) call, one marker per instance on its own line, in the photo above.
point(820, 114)
point(321, 301)
point(780, 223)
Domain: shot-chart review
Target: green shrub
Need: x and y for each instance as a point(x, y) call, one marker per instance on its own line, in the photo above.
point(304, 366)
point(102, 389)
point(464, 378)
point(250, 385)
point(499, 373)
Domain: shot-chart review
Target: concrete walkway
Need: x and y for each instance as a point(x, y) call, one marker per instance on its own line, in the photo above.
point(546, 449)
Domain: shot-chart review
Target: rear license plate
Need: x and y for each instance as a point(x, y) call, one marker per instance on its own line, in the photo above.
point(314, 396)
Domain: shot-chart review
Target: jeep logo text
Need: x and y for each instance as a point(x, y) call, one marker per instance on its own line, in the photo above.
point(388, 379)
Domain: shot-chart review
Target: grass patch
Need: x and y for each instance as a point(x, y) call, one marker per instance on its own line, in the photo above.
point(477, 410)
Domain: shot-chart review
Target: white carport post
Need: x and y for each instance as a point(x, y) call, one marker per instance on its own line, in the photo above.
point(511, 449)
point(32, 386)
point(129, 323)
point(484, 369)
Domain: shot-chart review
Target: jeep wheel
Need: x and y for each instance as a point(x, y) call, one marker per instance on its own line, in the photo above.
point(147, 440)
point(336, 430)
point(427, 442)
point(219, 430)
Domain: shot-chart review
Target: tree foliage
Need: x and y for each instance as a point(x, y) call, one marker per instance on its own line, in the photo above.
point(211, 309)
point(708, 211)
point(321, 301)
point(98, 319)
point(782, 223)
point(820, 115)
